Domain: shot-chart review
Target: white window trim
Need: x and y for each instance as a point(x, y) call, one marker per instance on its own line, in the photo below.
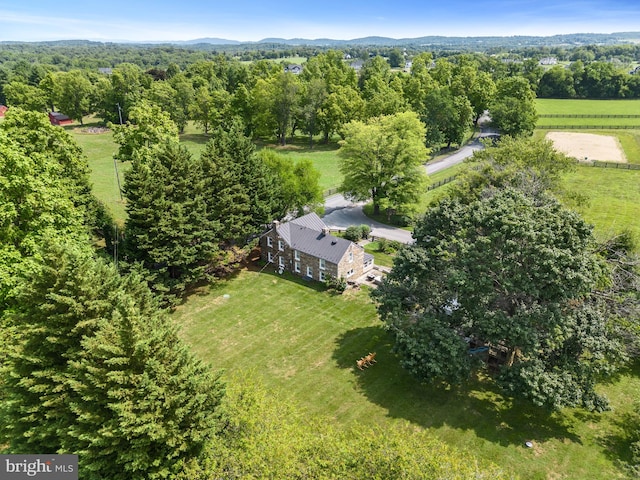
point(350, 273)
point(281, 261)
point(322, 276)
point(350, 257)
point(281, 245)
point(309, 271)
point(269, 242)
point(297, 267)
point(296, 254)
point(323, 264)
point(269, 257)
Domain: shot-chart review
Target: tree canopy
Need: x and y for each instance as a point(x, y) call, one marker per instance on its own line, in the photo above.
point(95, 368)
point(510, 272)
point(381, 160)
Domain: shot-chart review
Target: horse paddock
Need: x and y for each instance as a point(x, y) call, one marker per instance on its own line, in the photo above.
point(588, 146)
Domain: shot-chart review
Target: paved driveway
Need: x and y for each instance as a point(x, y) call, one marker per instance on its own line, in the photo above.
point(342, 213)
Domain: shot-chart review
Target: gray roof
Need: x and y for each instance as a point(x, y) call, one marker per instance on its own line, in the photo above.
point(306, 235)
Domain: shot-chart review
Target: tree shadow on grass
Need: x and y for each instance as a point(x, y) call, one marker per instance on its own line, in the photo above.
point(477, 405)
point(198, 138)
point(618, 444)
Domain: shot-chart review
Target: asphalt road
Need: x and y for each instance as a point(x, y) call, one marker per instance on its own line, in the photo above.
point(342, 213)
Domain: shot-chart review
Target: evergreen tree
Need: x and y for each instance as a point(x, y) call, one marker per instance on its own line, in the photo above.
point(98, 370)
point(169, 230)
point(241, 188)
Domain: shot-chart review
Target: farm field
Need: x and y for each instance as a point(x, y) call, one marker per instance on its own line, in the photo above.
point(552, 106)
point(303, 342)
point(613, 198)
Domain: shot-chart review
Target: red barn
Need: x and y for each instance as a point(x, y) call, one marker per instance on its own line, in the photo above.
point(2, 110)
point(57, 118)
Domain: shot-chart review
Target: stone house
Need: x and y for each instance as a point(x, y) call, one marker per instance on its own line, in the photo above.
point(304, 247)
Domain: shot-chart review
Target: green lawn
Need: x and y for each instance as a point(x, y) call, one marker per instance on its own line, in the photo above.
point(548, 106)
point(379, 258)
point(99, 149)
point(323, 157)
point(613, 198)
point(303, 343)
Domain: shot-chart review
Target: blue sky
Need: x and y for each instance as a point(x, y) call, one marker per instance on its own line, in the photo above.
point(251, 20)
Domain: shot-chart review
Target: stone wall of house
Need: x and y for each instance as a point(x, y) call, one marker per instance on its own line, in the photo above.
point(342, 269)
point(357, 265)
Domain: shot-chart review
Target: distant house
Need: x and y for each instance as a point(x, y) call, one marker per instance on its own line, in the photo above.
point(295, 69)
point(407, 66)
point(548, 61)
point(105, 70)
point(305, 247)
point(3, 109)
point(57, 118)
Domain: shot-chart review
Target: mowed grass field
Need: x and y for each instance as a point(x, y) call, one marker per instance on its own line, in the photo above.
point(552, 106)
point(303, 343)
point(613, 198)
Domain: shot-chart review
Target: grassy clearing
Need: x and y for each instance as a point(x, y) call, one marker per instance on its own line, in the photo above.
point(99, 149)
point(324, 158)
point(379, 258)
point(549, 106)
point(613, 198)
point(303, 342)
point(588, 122)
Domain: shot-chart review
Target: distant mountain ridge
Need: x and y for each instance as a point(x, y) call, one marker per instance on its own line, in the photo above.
point(560, 39)
point(435, 41)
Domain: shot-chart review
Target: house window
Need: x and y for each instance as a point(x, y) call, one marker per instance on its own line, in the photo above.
point(269, 257)
point(322, 264)
point(350, 257)
point(296, 266)
point(322, 276)
point(280, 246)
point(349, 273)
point(281, 261)
point(269, 242)
point(310, 272)
point(296, 254)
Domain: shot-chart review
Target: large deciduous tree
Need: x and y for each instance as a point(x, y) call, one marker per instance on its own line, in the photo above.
point(148, 129)
point(97, 369)
point(298, 184)
point(382, 160)
point(276, 100)
point(511, 271)
point(44, 191)
point(72, 94)
point(513, 111)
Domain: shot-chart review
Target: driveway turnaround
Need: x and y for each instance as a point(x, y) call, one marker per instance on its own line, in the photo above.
point(342, 213)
